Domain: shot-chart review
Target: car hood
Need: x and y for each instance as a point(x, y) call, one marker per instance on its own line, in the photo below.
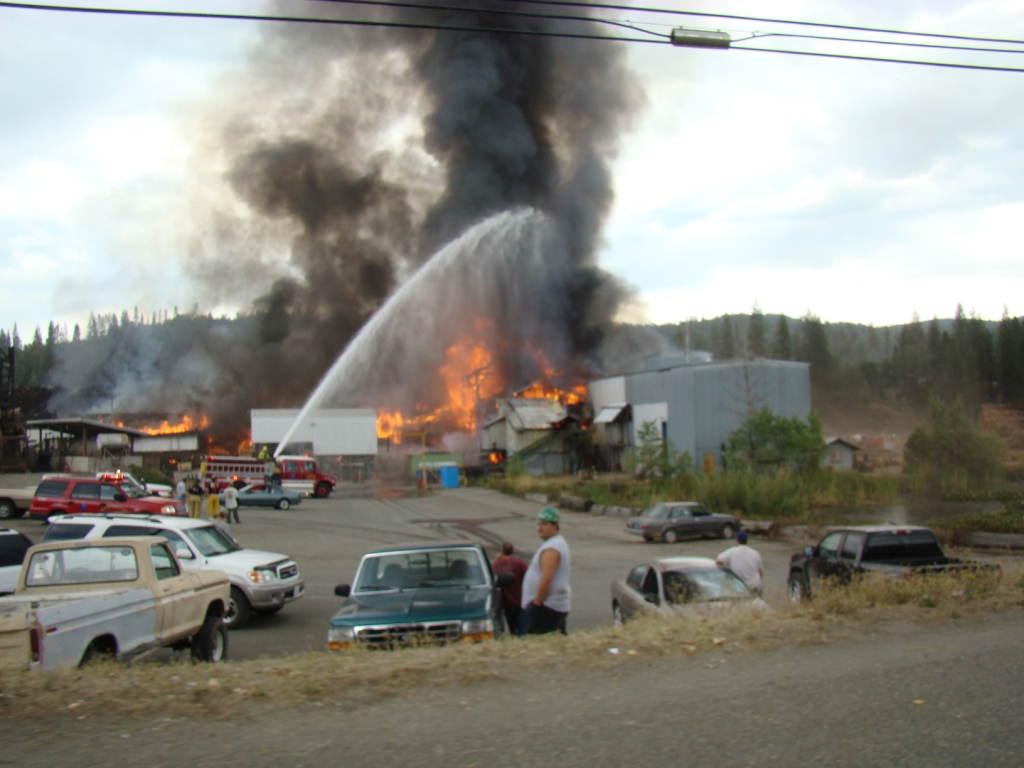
point(432, 604)
point(246, 559)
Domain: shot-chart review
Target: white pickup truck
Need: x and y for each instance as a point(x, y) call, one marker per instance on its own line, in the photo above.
point(14, 502)
point(116, 598)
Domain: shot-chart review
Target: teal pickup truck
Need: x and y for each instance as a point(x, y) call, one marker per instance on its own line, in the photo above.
point(419, 594)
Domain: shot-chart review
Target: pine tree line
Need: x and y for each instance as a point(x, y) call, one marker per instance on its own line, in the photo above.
point(966, 358)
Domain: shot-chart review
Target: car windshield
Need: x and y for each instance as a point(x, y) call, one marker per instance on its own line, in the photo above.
point(431, 568)
point(133, 491)
point(703, 586)
point(211, 540)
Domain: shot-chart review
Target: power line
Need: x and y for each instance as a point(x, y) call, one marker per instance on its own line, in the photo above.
point(318, 20)
point(764, 20)
point(661, 39)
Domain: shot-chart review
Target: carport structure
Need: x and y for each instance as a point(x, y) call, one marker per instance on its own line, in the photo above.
point(67, 438)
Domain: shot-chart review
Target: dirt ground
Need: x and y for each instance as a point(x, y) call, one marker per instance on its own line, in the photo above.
point(928, 695)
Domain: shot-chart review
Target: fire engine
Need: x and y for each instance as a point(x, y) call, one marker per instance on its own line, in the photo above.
point(296, 473)
point(302, 475)
point(237, 471)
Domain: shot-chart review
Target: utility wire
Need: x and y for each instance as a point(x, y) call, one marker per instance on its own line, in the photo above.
point(864, 41)
point(850, 28)
point(663, 39)
point(946, 65)
point(336, 22)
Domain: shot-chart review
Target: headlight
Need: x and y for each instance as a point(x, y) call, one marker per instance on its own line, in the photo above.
point(477, 629)
point(168, 509)
point(262, 575)
point(340, 637)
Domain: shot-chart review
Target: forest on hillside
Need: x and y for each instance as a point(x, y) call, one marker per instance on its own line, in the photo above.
point(967, 358)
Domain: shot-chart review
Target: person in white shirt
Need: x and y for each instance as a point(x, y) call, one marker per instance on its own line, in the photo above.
point(745, 562)
point(547, 596)
point(230, 497)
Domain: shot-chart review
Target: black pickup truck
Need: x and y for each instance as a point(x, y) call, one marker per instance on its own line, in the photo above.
point(894, 550)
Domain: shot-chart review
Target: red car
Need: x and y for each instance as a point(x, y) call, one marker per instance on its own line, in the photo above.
point(88, 495)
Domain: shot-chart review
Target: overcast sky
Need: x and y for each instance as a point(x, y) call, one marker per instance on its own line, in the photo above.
point(858, 191)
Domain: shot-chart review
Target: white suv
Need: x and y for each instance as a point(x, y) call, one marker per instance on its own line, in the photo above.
point(260, 581)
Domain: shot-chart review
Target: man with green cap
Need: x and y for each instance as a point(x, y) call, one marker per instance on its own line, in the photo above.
point(547, 596)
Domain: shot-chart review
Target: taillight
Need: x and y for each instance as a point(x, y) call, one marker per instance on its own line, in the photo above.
point(36, 642)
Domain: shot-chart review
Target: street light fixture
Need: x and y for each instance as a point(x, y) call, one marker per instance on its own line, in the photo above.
point(699, 38)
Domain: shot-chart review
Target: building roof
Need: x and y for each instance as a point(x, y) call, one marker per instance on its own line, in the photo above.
point(81, 427)
point(830, 441)
point(610, 413)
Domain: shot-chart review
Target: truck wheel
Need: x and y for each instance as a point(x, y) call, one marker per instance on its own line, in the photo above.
point(670, 536)
point(7, 510)
point(210, 643)
point(727, 531)
point(283, 504)
point(98, 650)
point(323, 491)
point(797, 588)
point(239, 609)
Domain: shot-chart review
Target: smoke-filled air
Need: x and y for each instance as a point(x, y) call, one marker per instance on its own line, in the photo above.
point(397, 215)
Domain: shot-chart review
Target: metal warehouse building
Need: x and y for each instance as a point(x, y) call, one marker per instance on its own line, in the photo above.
point(696, 403)
point(346, 437)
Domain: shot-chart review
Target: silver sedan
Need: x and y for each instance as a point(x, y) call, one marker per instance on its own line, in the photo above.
point(673, 584)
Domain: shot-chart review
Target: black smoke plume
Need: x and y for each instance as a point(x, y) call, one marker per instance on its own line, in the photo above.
point(349, 156)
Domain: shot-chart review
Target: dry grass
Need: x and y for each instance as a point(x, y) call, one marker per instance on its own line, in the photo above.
point(354, 678)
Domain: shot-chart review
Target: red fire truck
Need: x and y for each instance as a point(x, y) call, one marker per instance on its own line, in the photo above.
point(302, 474)
point(237, 471)
point(296, 473)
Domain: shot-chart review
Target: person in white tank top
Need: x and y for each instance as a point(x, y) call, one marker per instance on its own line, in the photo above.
point(547, 596)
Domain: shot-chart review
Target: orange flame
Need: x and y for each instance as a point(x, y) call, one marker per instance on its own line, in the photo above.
point(187, 424)
point(471, 379)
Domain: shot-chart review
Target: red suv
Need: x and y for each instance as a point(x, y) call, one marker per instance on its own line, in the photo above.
point(86, 495)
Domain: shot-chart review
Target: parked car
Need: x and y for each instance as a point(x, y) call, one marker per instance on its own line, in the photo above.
point(65, 494)
point(13, 546)
point(673, 584)
point(670, 521)
point(75, 601)
point(269, 495)
point(261, 582)
point(416, 594)
point(896, 551)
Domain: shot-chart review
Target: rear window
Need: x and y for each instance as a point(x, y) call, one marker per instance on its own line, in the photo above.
point(892, 546)
point(67, 531)
point(13, 548)
point(52, 488)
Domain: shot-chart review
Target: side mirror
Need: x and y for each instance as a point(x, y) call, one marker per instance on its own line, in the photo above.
point(343, 590)
point(183, 553)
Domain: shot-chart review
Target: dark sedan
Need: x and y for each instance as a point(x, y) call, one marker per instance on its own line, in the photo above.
point(670, 521)
point(268, 496)
point(674, 585)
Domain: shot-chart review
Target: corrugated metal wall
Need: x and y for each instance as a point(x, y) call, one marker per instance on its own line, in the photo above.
point(708, 402)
